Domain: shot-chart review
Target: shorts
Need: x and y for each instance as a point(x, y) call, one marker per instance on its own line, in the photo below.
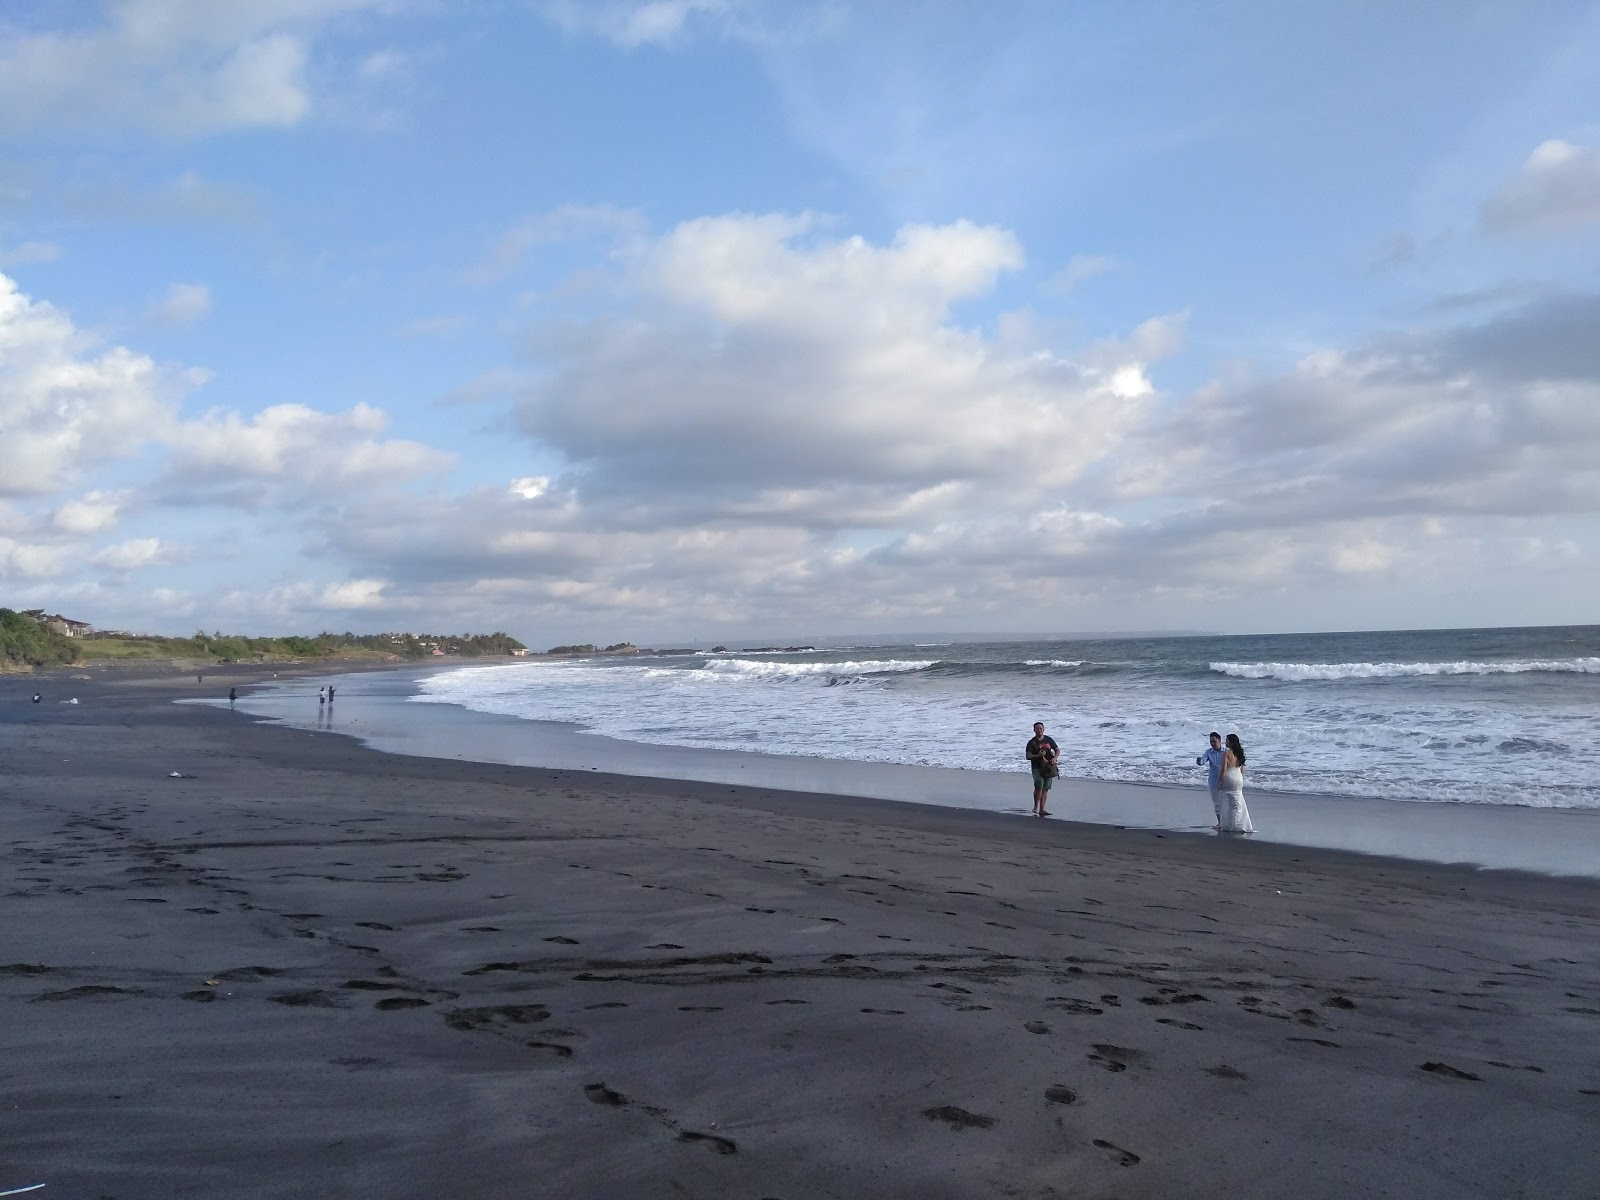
point(1041, 780)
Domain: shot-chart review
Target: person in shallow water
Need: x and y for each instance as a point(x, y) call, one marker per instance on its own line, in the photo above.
point(1234, 816)
point(1043, 758)
point(1211, 759)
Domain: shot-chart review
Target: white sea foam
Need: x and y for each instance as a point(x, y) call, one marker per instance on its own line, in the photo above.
point(1451, 741)
point(812, 670)
point(1300, 672)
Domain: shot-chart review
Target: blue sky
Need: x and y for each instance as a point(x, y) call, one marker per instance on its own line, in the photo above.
point(692, 318)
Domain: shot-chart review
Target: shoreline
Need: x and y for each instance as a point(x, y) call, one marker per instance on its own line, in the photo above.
point(303, 963)
point(372, 709)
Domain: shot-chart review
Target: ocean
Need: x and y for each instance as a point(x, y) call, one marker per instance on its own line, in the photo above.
point(1504, 717)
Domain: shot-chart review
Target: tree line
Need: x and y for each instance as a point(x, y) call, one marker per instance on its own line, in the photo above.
point(26, 642)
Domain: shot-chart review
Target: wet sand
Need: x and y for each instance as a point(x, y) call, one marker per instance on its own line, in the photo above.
point(309, 968)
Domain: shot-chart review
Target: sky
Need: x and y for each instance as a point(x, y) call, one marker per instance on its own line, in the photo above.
point(684, 320)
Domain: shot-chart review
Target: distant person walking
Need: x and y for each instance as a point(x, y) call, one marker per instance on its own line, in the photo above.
point(1212, 761)
point(1044, 759)
point(233, 694)
point(330, 693)
point(1235, 817)
point(322, 696)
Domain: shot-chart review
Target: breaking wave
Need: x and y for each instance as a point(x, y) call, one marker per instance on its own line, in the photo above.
point(1301, 672)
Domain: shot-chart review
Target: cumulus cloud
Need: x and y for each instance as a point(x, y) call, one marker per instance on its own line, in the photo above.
point(290, 453)
point(137, 553)
point(32, 560)
point(178, 67)
point(67, 403)
point(1557, 190)
point(771, 369)
point(93, 512)
point(183, 304)
point(1497, 418)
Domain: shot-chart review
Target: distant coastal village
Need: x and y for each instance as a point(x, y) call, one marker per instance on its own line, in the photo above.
point(38, 639)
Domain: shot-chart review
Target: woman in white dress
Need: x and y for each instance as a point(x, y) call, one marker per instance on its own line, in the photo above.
point(1235, 817)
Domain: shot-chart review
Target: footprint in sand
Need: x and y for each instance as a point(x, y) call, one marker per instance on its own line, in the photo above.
point(1123, 1158)
point(958, 1118)
point(886, 1012)
point(1449, 1072)
point(1115, 1058)
point(394, 1003)
point(1224, 1071)
point(699, 1008)
point(713, 1143)
point(308, 999)
point(1057, 1094)
point(562, 941)
point(1176, 1024)
point(599, 1093)
point(555, 1048)
point(665, 946)
point(1072, 1004)
point(1037, 1027)
point(511, 1014)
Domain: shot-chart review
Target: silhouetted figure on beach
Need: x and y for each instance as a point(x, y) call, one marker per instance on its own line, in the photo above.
point(37, 698)
point(330, 693)
point(322, 696)
point(233, 694)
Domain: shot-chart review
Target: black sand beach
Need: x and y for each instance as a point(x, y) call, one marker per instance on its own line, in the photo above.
point(309, 968)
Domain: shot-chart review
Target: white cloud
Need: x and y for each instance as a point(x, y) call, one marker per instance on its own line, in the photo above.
point(1557, 190)
point(183, 304)
point(769, 368)
point(135, 554)
point(65, 402)
point(93, 512)
point(301, 454)
point(178, 67)
point(354, 594)
point(32, 560)
point(530, 487)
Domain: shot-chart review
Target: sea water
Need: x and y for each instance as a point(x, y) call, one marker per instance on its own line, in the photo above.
point(1484, 716)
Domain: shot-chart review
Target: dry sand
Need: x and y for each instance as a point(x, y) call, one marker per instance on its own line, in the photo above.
point(311, 969)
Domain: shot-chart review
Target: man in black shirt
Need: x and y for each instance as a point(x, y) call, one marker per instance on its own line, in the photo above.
point(1043, 754)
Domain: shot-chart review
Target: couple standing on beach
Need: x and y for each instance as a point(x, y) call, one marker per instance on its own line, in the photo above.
point(1225, 776)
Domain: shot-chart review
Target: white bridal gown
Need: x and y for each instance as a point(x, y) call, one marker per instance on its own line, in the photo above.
point(1235, 817)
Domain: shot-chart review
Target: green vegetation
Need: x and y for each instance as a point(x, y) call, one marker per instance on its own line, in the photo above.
point(25, 642)
point(586, 648)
